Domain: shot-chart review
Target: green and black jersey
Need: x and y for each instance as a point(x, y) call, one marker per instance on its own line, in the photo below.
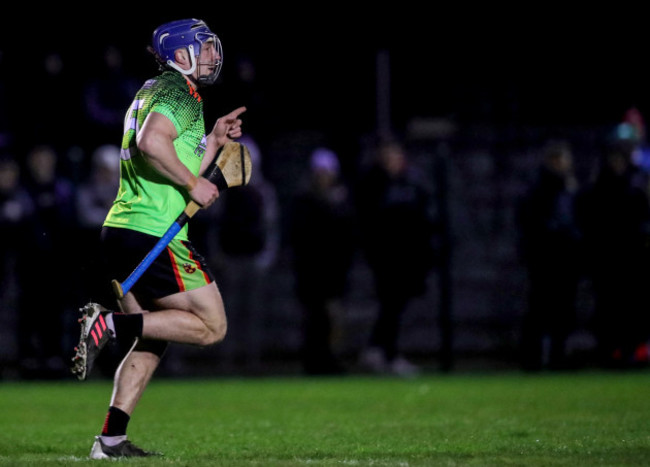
point(147, 201)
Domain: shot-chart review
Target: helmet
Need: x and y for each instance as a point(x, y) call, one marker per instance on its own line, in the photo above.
point(189, 34)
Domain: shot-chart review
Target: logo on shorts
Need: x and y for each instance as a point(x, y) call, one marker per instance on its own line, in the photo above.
point(189, 268)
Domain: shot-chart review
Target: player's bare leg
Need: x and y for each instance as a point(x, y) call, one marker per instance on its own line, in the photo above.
point(204, 325)
point(131, 378)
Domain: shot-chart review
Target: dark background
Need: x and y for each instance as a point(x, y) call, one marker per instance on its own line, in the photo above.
point(316, 63)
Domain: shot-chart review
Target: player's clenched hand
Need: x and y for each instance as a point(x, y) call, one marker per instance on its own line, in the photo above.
point(204, 192)
point(228, 127)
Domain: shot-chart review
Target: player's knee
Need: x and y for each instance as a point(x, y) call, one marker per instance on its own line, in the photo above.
point(214, 333)
point(219, 333)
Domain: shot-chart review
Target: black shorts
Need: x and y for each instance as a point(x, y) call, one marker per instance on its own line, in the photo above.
point(178, 268)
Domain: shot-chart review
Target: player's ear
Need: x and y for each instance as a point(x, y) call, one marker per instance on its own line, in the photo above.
point(182, 58)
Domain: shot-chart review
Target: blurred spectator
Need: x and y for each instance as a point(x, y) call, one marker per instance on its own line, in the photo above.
point(106, 97)
point(395, 210)
point(47, 266)
point(16, 209)
point(15, 213)
point(549, 249)
point(630, 135)
point(94, 198)
point(244, 245)
point(323, 241)
point(614, 215)
point(243, 86)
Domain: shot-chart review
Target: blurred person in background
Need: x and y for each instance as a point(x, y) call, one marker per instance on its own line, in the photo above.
point(244, 86)
point(633, 129)
point(398, 225)
point(94, 198)
point(243, 245)
point(630, 137)
point(549, 249)
point(613, 215)
point(323, 241)
point(16, 209)
point(106, 97)
point(50, 255)
point(16, 205)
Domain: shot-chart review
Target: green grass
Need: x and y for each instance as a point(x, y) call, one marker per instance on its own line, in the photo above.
point(581, 419)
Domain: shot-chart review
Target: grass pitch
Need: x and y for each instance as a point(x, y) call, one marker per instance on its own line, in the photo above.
point(572, 419)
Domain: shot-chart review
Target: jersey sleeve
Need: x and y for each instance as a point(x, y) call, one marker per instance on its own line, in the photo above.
point(174, 104)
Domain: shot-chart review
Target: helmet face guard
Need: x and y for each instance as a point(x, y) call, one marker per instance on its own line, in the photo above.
point(216, 65)
point(191, 35)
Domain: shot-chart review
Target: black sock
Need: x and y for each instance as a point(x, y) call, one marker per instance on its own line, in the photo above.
point(116, 422)
point(127, 327)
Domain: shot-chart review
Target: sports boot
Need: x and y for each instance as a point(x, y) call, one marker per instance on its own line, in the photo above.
point(123, 449)
point(95, 334)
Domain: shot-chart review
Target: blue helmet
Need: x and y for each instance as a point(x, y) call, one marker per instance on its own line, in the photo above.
point(190, 34)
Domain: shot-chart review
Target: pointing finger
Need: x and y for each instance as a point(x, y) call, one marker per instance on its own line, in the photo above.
point(236, 113)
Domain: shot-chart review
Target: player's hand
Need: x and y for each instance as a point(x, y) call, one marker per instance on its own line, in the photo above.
point(204, 192)
point(228, 127)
